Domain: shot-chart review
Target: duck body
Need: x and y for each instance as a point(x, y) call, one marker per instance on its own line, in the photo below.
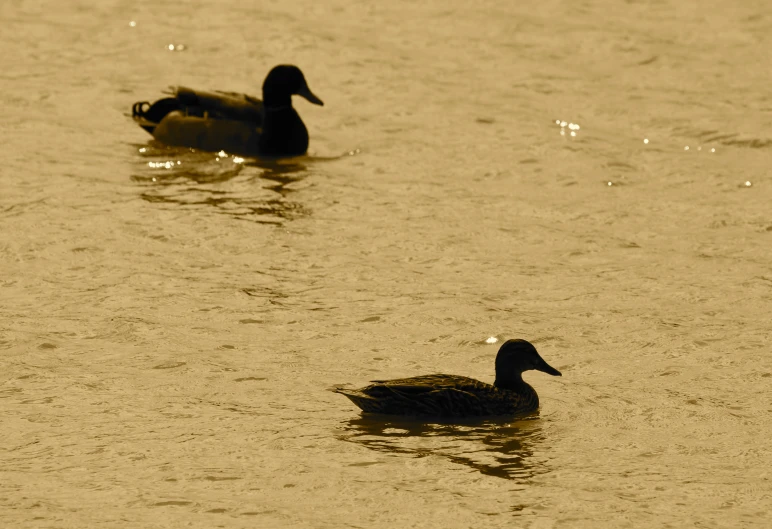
point(443, 395)
point(232, 122)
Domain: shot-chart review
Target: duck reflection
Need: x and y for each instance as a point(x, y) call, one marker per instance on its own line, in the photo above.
point(258, 191)
point(499, 448)
point(282, 172)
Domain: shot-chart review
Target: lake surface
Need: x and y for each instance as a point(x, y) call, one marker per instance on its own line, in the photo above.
point(592, 176)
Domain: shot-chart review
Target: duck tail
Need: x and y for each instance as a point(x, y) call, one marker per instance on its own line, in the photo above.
point(149, 116)
point(138, 112)
point(362, 401)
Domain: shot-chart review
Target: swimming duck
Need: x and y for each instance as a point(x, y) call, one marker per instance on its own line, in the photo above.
point(231, 122)
point(456, 396)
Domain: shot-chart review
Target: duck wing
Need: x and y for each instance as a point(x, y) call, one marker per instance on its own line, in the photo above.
point(220, 105)
point(429, 383)
point(231, 106)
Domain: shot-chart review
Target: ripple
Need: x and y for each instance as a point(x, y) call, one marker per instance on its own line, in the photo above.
point(502, 449)
point(257, 191)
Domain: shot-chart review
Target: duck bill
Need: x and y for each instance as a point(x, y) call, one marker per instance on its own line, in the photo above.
point(544, 367)
point(306, 93)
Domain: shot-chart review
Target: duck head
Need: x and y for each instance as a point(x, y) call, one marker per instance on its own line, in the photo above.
point(516, 356)
point(282, 83)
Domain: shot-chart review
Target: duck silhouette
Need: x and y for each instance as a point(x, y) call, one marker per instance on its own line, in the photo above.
point(456, 396)
point(232, 122)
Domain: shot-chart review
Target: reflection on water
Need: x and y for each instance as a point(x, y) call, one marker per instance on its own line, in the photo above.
point(230, 184)
point(503, 449)
point(257, 191)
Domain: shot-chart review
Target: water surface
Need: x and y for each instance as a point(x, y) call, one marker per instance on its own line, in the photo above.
point(171, 320)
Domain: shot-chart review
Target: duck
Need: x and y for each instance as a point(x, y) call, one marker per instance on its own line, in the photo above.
point(456, 396)
point(236, 123)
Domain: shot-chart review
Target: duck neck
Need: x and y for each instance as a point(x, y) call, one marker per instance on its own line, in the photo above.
point(272, 109)
point(276, 101)
point(514, 382)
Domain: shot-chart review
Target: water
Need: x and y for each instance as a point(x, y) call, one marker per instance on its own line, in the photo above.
point(168, 334)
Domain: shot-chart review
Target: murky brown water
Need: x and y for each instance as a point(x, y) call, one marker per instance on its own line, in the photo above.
point(168, 335)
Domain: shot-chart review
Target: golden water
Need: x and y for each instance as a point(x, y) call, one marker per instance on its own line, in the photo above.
point(591, 176)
